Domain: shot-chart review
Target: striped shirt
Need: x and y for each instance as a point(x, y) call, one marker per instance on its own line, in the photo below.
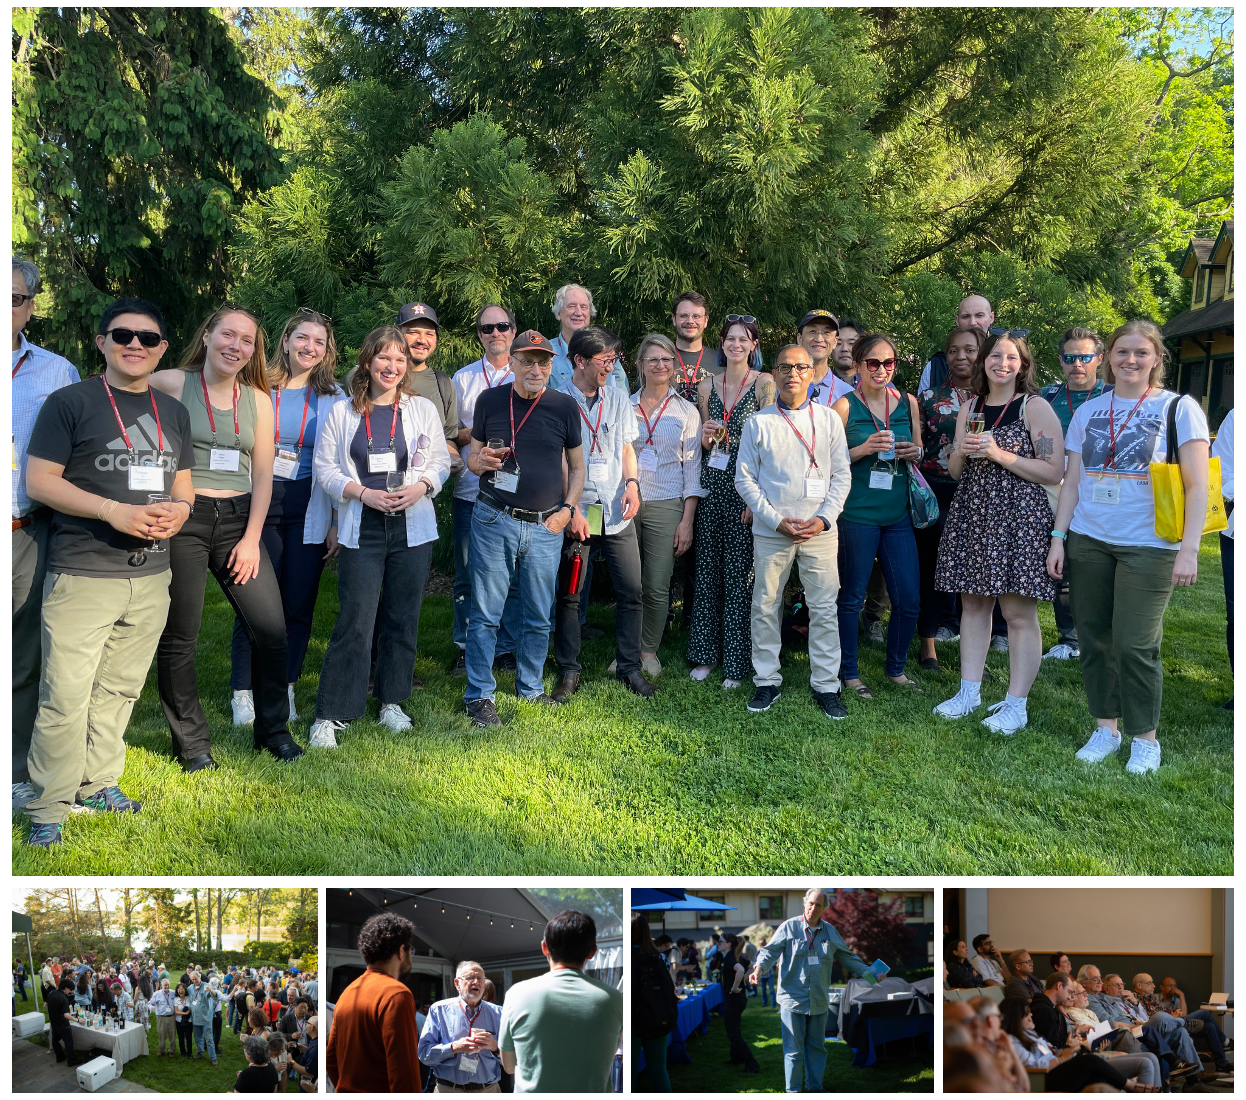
point(41, 373)
point(677, 443)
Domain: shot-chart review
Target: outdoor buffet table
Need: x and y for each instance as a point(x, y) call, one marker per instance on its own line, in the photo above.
point(694, 1015)
point(122, 1046)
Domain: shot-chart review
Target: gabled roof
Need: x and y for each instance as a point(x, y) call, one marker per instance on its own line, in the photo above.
point(1223, 244)
point(1194, 322)
point(1198, 252)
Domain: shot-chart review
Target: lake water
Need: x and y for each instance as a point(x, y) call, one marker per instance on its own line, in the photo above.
point(230, 941)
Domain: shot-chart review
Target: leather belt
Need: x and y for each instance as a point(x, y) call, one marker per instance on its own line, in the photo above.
point(30, 517)
point(523, 514)
point(471, 1086)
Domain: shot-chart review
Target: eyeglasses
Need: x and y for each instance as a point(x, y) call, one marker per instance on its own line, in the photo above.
point(874, 364)
point(125, 336)
point(664, 361)
point(604, 362)
point(744, 318)
point(1069, 360)
point(500, 326)
point(792, 368)
point(21, 299)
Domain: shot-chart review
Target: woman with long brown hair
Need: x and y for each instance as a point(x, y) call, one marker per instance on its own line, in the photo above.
point(223, 382)
point(300, 532)
point(381, 456)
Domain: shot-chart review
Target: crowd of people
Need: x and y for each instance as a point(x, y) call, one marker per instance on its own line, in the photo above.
point(960, 507)
point(1081, 1030)
point(555, 1033)
point(271, 1006)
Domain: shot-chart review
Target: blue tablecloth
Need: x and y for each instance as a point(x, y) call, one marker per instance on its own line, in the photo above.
point(694, 1015)
point(883, 1029)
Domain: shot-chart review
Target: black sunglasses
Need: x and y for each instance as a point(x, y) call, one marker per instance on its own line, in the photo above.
point(500, 326)
point(125, 336)
point(745, 318)
point(21, 299)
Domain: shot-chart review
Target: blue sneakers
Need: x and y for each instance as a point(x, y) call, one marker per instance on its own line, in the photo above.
point(46, 835)
point(110, 800)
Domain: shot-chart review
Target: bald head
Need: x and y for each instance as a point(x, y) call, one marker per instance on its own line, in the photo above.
point(957, 1012)
point(975, 312)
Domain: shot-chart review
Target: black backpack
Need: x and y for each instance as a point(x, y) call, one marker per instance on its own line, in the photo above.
point(654, 1004)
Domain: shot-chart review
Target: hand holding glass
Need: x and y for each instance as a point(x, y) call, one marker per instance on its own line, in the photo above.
point(157, 545)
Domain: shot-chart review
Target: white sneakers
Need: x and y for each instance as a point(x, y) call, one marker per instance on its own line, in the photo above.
point(1006, 717)
point(1143, 757)
point(324, 733)
point(243, 706)
point(1062, 652)
point(293, 709)
point(1102, 744)
point(961, 705)
point(394, 717)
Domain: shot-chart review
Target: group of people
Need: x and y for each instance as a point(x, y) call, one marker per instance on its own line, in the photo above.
point(276, 1007)
point(555, 1033)
point(131, 486)
point(1080, 1030)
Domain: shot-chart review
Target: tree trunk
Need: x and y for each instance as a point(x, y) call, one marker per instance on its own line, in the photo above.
point(72, 895)
point(207, 923)
point(128, 913)
point(99, 909)
point(259, 914)
point(194, 893)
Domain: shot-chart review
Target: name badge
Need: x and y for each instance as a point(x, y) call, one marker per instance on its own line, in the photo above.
point(225, 458)
point(814, 958)
point(597, 471)
point(880, 479)
point(815, 488)
point(382, 463)
point(469, 1062)
point(147, 478)
point(718, 460)
point(648, 461)
point(594, 514)
point(506, 481)
point(286, 463)
point(1106, 492)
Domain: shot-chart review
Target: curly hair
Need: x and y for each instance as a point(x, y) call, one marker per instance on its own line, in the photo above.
point(382, 935)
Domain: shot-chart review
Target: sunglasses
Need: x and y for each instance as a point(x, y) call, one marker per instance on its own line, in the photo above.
point(305, 311)
point(500, 326)
point(125, 336)
point(743, 318)
point(1069, 360)
point(874, 364)
point(21, 299)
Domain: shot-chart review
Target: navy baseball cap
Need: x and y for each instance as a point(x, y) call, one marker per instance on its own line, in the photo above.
point(531, 340)
point(819, 315)
point(418, 311)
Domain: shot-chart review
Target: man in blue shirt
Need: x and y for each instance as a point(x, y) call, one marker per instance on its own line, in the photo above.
point(804, 949)
point(573, 306)
point(459, 1040)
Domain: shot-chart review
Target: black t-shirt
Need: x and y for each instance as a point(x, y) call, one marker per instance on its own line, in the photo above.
point(76, 429)
point(1049, 1022)
point(58, 1005)
point(382, 417)
point(729, 974)
point(709, 366)
point(553, 427)
point(257, 1079)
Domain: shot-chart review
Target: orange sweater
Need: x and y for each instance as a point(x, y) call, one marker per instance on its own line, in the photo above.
point(372, 1044)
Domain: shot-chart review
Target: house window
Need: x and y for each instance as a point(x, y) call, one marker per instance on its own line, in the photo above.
point(914, 907)
point(714, 914)
point(1200, 286)
point(770, 907)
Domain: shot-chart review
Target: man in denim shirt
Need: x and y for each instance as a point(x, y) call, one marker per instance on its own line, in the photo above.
point(459, 1041)
point(804, 949)
point(204, 1004)
point(1107, 1001)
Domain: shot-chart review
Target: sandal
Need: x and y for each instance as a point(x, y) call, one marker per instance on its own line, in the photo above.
point(862, 691)
point(912, 685)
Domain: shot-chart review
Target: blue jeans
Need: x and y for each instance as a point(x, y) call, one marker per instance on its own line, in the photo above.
point(804, 1043)
point(1211, 1032)
point(505, 552)
point(203, 1037)
point(462, 512)
point(766, 985)
point(1173, 1032)
point(896, 550)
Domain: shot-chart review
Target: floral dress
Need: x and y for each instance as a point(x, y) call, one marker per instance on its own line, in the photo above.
point(998, 529)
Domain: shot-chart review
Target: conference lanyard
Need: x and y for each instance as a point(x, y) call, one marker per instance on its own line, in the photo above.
point(696, 370)
point(393, 425)
point(1007, 406)
point(1114, 435)
point(302, 426)
point(601, 404)
point(810, 939)
point(886, 427)
point(207, 404)
point(651, 428)
point(124, 434)
point(727, 411)
point(484, 369)
point(515, 431)
point(471, 1017)
point(813, 434)
point(24, 357)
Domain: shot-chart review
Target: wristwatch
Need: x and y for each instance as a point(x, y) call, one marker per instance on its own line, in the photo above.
point(632, 481)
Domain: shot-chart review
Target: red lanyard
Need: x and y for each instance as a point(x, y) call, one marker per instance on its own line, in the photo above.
point(601, 404)
point(748, 373)
point(886, 408)
point(651, 428)
point(811, 939)
point(484, 368)
point(207, 404)
point(1068, 399)
point(471, 1017)
point(393, 424)
point(813, 433)
point(25, 356)
point(277, 415)
point(696, 371)
point(113, 402)
point(514, 430)
point(1114, 435)
point(1007, 406)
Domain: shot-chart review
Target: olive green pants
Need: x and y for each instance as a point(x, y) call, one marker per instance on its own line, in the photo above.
point(655, 525)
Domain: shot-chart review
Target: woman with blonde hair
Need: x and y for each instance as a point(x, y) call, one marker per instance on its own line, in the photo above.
point(223, 382)
point(300, 531)
point(381, 456)
point(1121, 573)
point(668, 460)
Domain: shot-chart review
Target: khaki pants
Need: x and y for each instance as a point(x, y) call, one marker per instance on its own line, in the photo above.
point(99, 638)
point(656, 523)
point(446, 1086)
point(166, 1029)
point(30, 560)
point(773, 555)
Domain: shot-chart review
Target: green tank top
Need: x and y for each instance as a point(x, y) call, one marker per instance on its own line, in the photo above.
point(203, 476)
point(878, 507)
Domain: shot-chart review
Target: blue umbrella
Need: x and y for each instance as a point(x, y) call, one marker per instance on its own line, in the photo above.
point(648, 898)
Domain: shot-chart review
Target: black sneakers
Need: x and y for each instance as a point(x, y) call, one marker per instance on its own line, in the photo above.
point(483, 713)
point(831, 704)
point(763, 699)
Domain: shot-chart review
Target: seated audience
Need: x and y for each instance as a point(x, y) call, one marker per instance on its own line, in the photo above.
point(1065, 1071)
point(1022, 983)
point(959, 972)
point(989, 962)
point(988, 1032)
point(1198, 1022)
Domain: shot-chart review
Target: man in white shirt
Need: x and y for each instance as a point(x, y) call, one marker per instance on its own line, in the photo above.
point(989, 961)
point(1222, 449)
point(37, 372)
point(793, 473)
point(495, 329)
point(818, 333)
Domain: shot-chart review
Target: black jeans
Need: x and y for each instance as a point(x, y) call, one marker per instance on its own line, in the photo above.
point(1226, 567)
point(383, 559)
point(937, 608)
point(216, 1031)
point(1063, 611)
point(63, 1043)
point(733, 1009)
point(185, 1039)
point(1082, 1070)
point(204, 544)
point(622, 554)
point(298, 566)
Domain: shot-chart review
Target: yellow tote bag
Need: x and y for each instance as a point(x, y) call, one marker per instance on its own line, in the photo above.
point(1169, 490)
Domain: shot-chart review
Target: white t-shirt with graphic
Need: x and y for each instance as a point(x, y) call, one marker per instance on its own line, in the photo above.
point(1141, 441)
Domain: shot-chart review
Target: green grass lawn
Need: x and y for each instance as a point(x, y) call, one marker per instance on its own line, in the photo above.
point(689, 782)
point(179, 1074)
point(899, 1070)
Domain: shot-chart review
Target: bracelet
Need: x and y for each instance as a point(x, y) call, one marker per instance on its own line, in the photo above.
point(190, 508)
point(1059, 535)
point(632, 481)
point(106, 509)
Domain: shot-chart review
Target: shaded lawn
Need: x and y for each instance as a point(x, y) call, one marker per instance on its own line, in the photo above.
point(897, 1070)
point(611, 784)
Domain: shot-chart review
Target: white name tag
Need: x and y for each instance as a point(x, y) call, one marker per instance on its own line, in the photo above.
point(286, 463)
point(718, 460)
point(814, 958)
point(382, 463)
point(469, 1062)
point(880, 479)
point(507, 481)
point(1106, 492)
point(598, 471)
point(147, 478)
point(224, 458)
point(648, 461)
point(815, 488)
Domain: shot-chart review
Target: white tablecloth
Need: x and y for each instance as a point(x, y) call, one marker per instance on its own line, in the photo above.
point(121, 1046)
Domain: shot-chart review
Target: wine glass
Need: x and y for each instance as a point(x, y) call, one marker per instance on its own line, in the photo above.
point(975, 425)
point(158, 545)
point(394, 481)
point(499, 445)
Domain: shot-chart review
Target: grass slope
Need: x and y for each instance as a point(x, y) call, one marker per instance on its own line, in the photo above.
point(709, 1071)
point(611, 784)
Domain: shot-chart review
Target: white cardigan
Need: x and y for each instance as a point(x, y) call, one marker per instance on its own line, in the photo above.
point(334, 469)
point(319, 506)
